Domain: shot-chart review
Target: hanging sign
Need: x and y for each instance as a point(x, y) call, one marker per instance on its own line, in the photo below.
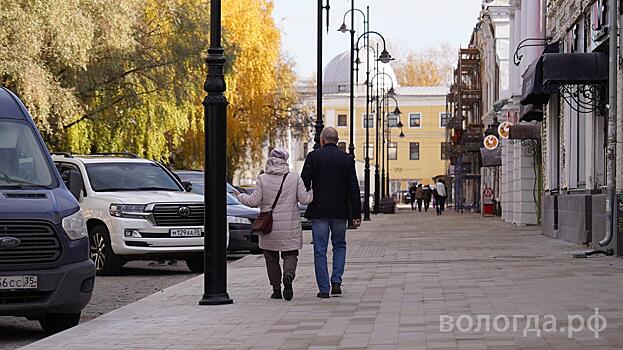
point(504, 129)
point(491, 142)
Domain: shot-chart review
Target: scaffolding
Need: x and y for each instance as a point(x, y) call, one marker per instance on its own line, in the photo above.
point(465, 130)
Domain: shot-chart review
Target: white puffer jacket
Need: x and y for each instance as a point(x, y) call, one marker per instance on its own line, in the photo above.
point(287, 233)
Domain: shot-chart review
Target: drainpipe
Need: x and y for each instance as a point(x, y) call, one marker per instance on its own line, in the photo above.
point(612, 125)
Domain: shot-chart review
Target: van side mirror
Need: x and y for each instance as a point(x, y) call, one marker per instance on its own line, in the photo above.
point(73, 181)
point(188, 186)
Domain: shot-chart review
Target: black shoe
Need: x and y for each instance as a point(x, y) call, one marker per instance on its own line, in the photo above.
point(322, 295)
point(276, 294)
point(336, 289)
point(288, 293)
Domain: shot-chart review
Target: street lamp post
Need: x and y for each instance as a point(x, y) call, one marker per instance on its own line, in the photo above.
point(397, 113)
point(319, 122)
point(344, 29)
point(215, 206)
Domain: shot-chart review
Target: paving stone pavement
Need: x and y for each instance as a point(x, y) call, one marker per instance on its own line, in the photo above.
point(404, 272)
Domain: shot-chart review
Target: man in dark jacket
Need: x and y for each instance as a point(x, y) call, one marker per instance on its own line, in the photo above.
point(331, 174)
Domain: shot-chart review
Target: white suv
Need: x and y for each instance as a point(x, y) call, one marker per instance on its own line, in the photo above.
point(135, 210)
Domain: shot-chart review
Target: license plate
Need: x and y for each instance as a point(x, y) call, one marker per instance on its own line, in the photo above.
point(186, 232)
point(18, 282)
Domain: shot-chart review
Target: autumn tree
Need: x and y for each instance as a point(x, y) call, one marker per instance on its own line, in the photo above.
point(104, 76)
point(429, 67)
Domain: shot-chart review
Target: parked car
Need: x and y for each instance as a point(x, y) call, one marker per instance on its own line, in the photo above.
point(136, 209)
point(305, 222)
point(45, 270)
point(239, 217)
point(402, 196)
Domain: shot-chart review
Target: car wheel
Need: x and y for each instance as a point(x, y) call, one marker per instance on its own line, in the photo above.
point(54, 323)
point(195, 265)
point(100, 250)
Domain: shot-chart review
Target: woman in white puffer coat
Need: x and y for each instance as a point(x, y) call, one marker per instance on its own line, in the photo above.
point(287, 235)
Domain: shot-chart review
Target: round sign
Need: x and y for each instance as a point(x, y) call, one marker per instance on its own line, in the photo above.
point(504, 129)
point(491, 142)
point(488, 192)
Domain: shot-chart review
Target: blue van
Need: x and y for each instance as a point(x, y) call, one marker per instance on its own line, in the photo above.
point(46, 273)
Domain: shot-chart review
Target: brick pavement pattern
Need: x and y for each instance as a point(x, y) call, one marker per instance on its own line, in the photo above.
point(403, 271)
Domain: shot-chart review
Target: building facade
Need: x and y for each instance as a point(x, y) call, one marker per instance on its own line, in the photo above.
point(416, 157)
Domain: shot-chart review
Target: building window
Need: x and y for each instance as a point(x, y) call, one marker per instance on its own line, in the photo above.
point(342, 120)
point(414, 150)
point(415, 120)
point(395, 186)
point(392, 120)
point(368, 121)
point(342, 146)
point(444, 119)
point(370, 149)
point(445, 150)
point(342, 88)
point(392, 151)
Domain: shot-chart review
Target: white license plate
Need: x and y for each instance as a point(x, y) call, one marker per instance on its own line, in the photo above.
point(185, 232)
point(18, 282)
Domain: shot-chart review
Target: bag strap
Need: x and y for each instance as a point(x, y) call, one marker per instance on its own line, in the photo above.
point(279, 193)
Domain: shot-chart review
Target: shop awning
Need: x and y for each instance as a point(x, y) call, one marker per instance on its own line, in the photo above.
point(491, 157)
point(575, 68)
point(532, 91)
point(532, 113)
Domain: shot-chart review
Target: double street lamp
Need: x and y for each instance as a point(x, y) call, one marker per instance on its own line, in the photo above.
point(387, 123)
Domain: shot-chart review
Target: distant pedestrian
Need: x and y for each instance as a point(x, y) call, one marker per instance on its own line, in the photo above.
point(331, 173)
point(441, 195)
point(427, 196)
point(286, 235)
point(419, 196)
point(412, 192)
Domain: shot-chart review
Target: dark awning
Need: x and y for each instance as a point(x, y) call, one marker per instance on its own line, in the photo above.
point(532, 113)
point(491, 157)
point(532, 88)
point(575, 68)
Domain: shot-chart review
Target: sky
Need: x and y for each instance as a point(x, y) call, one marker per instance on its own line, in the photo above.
point(407, 24)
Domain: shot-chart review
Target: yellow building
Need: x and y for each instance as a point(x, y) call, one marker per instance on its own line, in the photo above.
point(417, 157)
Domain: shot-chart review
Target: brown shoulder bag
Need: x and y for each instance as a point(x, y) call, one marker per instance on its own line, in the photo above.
point(264, 222)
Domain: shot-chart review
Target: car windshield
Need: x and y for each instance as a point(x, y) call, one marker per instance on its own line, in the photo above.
point(108, 177)
point(23, 163)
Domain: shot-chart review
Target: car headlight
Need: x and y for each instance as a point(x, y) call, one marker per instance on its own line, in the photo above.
point(75, 226)
point(238, 220)
point(128, 210)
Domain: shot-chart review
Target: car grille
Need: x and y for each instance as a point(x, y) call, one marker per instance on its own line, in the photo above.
point(169, 215)
point(39, 244)
point(21, 296)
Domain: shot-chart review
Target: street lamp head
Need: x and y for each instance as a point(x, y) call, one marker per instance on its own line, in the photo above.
point(385, 57)
point(397, 111)
point(391, 92)
point(402, 134)
point(358, 62)
point(399, 125)
point(343, 28)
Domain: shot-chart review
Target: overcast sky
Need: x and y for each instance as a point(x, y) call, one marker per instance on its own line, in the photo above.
point(410, 24)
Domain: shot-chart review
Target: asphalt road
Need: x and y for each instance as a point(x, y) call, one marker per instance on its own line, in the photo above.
point(137, 281)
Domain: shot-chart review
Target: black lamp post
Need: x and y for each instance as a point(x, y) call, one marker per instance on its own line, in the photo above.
point(344, 29)
point(380, 179)
point(215, 218)
point(397, 113)
point(319, 122)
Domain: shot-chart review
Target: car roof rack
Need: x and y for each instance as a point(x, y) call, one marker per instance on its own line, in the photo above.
point(115, 154)
point(64, 154)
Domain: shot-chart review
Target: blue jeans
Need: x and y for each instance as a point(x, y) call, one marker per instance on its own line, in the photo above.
point(320, 234)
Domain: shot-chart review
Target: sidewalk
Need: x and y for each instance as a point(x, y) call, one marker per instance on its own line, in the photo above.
point(403, 271)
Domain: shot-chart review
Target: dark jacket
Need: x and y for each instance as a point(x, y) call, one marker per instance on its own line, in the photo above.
point(330, 172)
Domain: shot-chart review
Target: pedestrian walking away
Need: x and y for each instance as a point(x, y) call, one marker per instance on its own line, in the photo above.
point(331, 173)
point(427, 196)
point(412, 192)
point(419, 196)
point(440, 197)
point(286, 236)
